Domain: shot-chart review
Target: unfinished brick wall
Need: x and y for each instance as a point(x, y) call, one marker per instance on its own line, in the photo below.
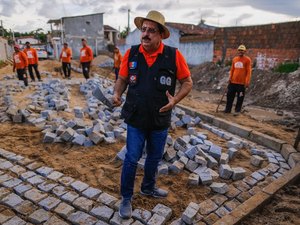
point(268, 45)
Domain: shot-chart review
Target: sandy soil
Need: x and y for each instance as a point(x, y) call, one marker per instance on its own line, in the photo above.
point(284, 209)
point(97, 165)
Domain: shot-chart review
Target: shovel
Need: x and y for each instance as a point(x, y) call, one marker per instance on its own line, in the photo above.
point(100, 96)
point(221, 99)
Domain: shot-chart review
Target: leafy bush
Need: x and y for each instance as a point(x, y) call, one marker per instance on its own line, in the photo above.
point(287, 67)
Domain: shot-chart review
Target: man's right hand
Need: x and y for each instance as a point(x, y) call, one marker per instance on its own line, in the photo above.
point(116, 100)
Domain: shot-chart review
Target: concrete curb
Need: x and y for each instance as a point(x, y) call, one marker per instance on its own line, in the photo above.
point(280, 146)
point(259, 199)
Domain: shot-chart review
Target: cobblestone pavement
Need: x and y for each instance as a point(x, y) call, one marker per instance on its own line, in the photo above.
point(32, 193)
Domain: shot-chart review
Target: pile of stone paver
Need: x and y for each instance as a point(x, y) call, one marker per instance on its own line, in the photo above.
point(209, 164)
point(91, 125)
point(52, 196)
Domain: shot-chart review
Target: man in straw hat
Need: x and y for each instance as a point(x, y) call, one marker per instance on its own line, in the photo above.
point(239, 80)
point(150, 71)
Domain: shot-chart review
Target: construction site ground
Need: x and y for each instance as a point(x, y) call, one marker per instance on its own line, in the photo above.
point(97, 165)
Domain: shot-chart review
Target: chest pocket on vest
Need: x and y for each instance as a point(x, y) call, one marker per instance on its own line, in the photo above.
point(165, 79)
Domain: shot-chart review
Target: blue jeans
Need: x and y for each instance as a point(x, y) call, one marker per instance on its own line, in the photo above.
point(135, 143)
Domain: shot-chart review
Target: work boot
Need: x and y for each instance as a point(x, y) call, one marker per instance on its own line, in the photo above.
point(156, 193)
point(125, 209)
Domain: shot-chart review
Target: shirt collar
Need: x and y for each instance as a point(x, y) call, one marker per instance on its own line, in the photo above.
point(158, 51)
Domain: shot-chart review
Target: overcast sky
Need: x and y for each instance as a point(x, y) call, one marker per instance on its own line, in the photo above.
point(28, 15)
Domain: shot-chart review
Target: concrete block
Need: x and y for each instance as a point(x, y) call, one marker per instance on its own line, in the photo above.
point(176, 167)
point(211, 162)
point(190, 212)
point(163, 169)
point(205, 178)
point(224, 158)
point(170, 154)
point(200, 160)
point(96, 137)
point(225, 171)
point(83, 204)
point(238, 173)
point(255, 151)
point(256, 160)
point(294, 159)
point(207, 206)
point(102, 212)
point(163, 211)
point(215, 151)
point(191, 152)
point(266, 140)
point(80, 217)
point(193, 179)
point(68, 134)
point(191, 165)
point(141, 215)
point(286, 150)
point(157, 220)
point(220, 188)
point(39, 216)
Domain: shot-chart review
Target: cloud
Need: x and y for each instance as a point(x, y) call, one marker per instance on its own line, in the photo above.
point(239, 19)
point(52, 9)
point(155, 5)
point(8, 7)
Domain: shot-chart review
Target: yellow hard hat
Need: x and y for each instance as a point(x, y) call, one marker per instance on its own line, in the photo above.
point(242, 47)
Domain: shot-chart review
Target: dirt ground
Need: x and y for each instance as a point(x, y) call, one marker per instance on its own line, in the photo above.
point(97, 165)
point(284, 208)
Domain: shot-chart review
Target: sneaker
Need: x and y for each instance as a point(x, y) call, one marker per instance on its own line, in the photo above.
point(40, 80)
point(125, 209)
point(156, 193)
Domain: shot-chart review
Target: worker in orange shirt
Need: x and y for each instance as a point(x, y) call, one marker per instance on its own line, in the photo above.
point(20, 63)
point(65, 57)
point(33, 61)
point(117, 61)
point(239, 80)
point(86, 57)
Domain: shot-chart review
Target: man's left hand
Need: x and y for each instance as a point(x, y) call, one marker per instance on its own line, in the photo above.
point(170, 105)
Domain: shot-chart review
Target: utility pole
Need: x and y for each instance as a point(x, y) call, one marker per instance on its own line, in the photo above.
point(128, 26)
point(2, 29)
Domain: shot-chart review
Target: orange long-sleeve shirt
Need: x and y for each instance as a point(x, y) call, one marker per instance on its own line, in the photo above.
point(117, 59)
point(31, 55)
point(66, 55)
point(182, 67)
point(20, 60)
point(240, 72)
point(86, 54)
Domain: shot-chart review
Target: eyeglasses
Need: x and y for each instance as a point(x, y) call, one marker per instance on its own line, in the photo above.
point(149, 29)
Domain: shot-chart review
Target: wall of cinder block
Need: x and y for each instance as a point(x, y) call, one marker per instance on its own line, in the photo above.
point(268, 45)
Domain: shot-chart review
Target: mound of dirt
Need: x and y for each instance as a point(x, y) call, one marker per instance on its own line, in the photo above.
point(280, 91)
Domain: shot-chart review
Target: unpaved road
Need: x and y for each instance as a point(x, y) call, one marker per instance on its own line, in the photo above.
point(96, 165)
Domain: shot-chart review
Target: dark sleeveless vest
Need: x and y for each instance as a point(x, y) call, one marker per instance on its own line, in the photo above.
point(147, 88)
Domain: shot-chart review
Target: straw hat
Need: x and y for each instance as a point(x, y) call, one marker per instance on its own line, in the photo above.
point(242, 48)
point(156, 17)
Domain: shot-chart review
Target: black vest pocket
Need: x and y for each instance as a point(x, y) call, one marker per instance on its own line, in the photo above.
point(128, 111)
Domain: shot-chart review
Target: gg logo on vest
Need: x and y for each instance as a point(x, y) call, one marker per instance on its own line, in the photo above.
point(165, 80)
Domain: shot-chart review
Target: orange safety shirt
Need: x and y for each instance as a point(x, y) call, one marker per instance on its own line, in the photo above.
point(240, 72)
point(31, 55)
point(117, 59)
point(66, 55)
point(20, 60)
point(182, 67)
point(86, 54)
